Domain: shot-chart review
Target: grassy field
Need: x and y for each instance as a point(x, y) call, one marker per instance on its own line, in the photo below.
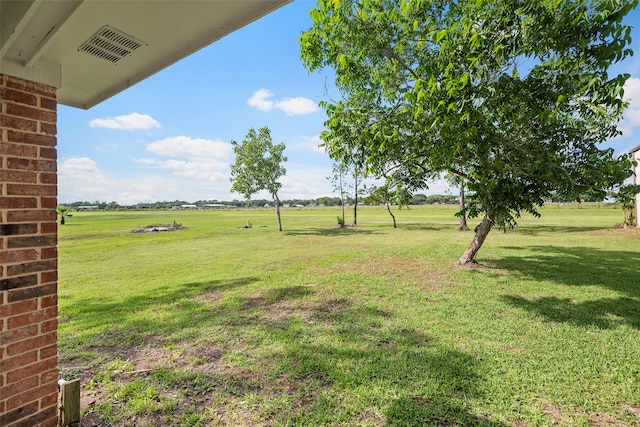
point(368, 326)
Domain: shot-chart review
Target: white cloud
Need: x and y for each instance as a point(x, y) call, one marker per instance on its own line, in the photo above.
point(290, 106)
point(296, 106)
point(197, 158)
point(631, 118)
point(259, 100)
point(309, 143)
point(191, 148)
point(133, 121)
point(80, 179)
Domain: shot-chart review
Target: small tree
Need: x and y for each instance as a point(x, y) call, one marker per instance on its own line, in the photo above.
point(337, 179)
point(258, 166)
point(62, 211)
point(387, 194)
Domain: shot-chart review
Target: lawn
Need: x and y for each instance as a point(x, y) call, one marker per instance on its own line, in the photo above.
point(363, 326)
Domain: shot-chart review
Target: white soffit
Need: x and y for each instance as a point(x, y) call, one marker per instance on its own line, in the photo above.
point(93, 49)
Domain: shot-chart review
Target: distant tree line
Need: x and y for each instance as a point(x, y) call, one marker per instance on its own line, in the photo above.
point(416, 199)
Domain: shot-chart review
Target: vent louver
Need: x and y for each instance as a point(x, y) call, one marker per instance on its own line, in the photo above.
point(110, 44)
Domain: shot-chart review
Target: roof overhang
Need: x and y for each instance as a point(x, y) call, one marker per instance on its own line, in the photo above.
point(90, 49)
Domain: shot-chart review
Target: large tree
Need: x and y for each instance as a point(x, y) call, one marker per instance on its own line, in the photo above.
point(513, 96)
point(258, 166)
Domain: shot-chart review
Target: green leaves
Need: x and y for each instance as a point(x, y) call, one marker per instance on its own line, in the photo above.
point(258, 164)
point(513, 94)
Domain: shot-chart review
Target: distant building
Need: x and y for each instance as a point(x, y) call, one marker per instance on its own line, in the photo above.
point(216, 206)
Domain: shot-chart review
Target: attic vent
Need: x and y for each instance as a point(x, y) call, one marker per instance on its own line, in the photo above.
point(110, 44)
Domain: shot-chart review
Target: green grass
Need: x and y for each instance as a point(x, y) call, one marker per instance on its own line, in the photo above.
point(366, 326)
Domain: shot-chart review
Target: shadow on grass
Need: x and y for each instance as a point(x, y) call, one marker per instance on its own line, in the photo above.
point(411, 379)
point(581, 266)
point(313, 360)
point(122, 321)
point(335, 231)
point(537, 229)
point(428, 227)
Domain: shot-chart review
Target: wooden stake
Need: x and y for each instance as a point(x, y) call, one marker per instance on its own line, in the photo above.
point(69, 405)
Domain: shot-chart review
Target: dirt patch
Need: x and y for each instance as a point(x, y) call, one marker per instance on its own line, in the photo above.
point(633, 410)
point(154, 228)
point(473, 265)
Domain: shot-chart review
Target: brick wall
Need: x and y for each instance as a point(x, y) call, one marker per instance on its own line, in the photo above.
point(28, 254)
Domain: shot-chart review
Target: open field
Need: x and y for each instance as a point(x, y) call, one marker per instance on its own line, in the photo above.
point(367, 326)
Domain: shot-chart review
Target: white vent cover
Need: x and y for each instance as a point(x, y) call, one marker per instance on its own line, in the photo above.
point(110, 44)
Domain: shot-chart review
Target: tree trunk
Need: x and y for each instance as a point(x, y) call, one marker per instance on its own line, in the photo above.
point(482, 230)
point(463, 218)
point(277, 201)
point(392, 215)
point(355, 204)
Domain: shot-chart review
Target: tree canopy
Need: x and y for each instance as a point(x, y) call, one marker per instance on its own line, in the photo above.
point(258, 166)
point(512, 96)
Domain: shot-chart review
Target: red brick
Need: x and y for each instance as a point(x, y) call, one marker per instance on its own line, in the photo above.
point(31, 242)
point(19, 150)
point(19, 307)
point(18, 96)
point(48, 202)
point(28, 344)
point(48, 326)
point(49, 227)
point(18, 282)
point(18, 256)
point(31, 370)
point(18, 176)
point(48, 153)
point(31, 267)
point(32, 292)
point(48, 140)
point(48, 277)
point(30, 87)
point(31, 164)
point(20, 386)
point(18, 123)
point(32, 215)
point(18, 202)
point(29, 112)
point(31, 190)
point(49, 129)
point(47, 417)
point(32, 317)
point(51, 398)
point(48, 253)
point(18, 334)
point(10, 364)
point(47, 352)
point(48, 103)
point(18, 229)
point(17, 414)
point(52, 375)
point(29, 396)
point(48, 178)
point(49, 301)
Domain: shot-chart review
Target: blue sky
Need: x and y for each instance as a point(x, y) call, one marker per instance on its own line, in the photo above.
point(168, 137)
